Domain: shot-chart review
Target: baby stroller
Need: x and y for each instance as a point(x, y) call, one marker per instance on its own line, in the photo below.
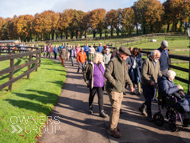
point(174, 111)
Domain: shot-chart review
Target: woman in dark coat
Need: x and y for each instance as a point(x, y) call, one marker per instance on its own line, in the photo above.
point(135, 61)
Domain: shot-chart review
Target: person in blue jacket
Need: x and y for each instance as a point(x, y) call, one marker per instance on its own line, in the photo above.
point(135, 68)
point(62, 46)
point(164, 58)
point(99, 48)
point(55, 51)
point(86, 50)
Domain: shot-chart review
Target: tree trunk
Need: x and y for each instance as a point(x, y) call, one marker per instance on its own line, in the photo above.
point(137, 30)
point(76, 34)
point(151, 28)
point(61, 35)
point(94, 33)
point(144, 30)
point(100, 33)
point(175, 26)
point(66, 34)
point(117, 30)
point(181, 23)
point(111, 31)
point(168, 27)
point(56, 35)
point(52, 36)
point(72, 34)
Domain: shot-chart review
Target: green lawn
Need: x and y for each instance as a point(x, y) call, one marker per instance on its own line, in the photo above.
point(30, 101)
point(181, 74)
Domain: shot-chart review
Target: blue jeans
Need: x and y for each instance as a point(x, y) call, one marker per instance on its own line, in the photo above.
point(87, 54)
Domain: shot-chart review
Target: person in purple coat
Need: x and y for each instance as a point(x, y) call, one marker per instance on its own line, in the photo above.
point(94, 78)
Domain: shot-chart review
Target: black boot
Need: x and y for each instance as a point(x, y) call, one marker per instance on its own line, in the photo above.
point(90, 109)
point(149, 118)
point(142, 109)
point(103, 114)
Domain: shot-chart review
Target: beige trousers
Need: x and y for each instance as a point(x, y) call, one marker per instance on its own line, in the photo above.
point(116, 100)
point(63, 62)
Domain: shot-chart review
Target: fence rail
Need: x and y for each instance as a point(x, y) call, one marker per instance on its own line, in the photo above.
point(12, 56)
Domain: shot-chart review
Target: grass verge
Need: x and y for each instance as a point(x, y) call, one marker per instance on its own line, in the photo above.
point(29, 103)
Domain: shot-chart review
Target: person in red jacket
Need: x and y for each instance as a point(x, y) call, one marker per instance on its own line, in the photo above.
point(81, 59)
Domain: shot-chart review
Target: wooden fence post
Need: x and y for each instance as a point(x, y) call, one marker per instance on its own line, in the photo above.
point(11, 73)
point(30, 57)
point(36, 62)
point(170, 62)
point(40, 60)
point(9, 50)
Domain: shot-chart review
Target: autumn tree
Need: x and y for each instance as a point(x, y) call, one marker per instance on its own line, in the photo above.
point(112, 19)
point(149, 12)
point(167, 14)
point(118, 23)
point(97, 20)
point(2, 22)
point(74, 24)
point(154, 14)
point(127, 20)
point(45, 24)
point(84, 24)
point(136, 21)
point(11, 29)
point(24, 27)
point(63, 23)
point(8, 29)
point(54, 23)
point(176, 7)
point(141, 7)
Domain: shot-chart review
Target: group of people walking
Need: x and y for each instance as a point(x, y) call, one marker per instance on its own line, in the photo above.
point(122, 68)
point(127, 68)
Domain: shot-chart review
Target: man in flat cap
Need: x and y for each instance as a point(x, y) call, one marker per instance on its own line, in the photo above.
point(164, 58)
point(116, 75)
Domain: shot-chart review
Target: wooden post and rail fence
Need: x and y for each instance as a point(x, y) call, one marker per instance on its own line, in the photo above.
point(33, 52)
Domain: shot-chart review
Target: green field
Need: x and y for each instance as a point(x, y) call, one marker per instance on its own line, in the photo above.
point(30, 101)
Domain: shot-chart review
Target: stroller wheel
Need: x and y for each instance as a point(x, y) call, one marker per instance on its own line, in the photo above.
point(172, 127)
point(158, 119)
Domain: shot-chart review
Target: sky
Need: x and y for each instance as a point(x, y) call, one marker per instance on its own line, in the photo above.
point(9, 8)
